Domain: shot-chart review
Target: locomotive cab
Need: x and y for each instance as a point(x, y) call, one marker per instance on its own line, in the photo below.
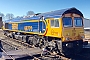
point(73, 33)
point(73, 27)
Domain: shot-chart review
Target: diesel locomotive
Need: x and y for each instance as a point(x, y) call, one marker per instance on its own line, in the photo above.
point(60, 31)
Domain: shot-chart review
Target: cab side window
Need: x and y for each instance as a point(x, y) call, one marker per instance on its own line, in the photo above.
point(54, 23)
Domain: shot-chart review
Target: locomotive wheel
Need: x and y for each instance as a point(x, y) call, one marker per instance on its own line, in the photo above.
point(42, 43)
point(34, 41)
point(13, 35)
point(30, 40)
point(53, 47)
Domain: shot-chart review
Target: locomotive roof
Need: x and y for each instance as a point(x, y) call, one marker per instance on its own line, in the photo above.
point(21, 19)
point(52, 14)
point(62, 12)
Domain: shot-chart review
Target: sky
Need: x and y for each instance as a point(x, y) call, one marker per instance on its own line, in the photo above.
point(20, 7)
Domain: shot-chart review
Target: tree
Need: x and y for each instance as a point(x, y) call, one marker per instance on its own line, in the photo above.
point(17, 16)
point(1, 15)
point(30, 13)
point(9, 16)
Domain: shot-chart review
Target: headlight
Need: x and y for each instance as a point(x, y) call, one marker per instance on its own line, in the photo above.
point(69, 45)
point(82, 37)
point(68, 34)
point(67, 38)
point(66, 44)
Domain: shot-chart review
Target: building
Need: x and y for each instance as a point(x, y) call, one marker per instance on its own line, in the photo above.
point(1, 23)
point(86, 23)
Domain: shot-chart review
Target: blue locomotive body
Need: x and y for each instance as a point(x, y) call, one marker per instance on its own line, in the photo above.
point(30, 25)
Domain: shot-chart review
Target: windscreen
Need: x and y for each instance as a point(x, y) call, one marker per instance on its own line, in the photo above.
point(67, 22)
point(78, 22)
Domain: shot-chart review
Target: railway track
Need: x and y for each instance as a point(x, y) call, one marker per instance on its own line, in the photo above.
point(55, 57)
point(15, 43)
point(7, 54)
point(18, 44)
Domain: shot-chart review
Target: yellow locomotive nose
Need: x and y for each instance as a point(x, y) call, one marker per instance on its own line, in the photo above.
point(73, 34)
point(72, 27)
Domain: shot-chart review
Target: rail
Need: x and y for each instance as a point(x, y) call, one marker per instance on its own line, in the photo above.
point(7, 54)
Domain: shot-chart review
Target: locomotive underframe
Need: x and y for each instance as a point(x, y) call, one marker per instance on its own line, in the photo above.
point(49, 43)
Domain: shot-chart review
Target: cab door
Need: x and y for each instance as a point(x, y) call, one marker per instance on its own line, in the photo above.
point(42, 26)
